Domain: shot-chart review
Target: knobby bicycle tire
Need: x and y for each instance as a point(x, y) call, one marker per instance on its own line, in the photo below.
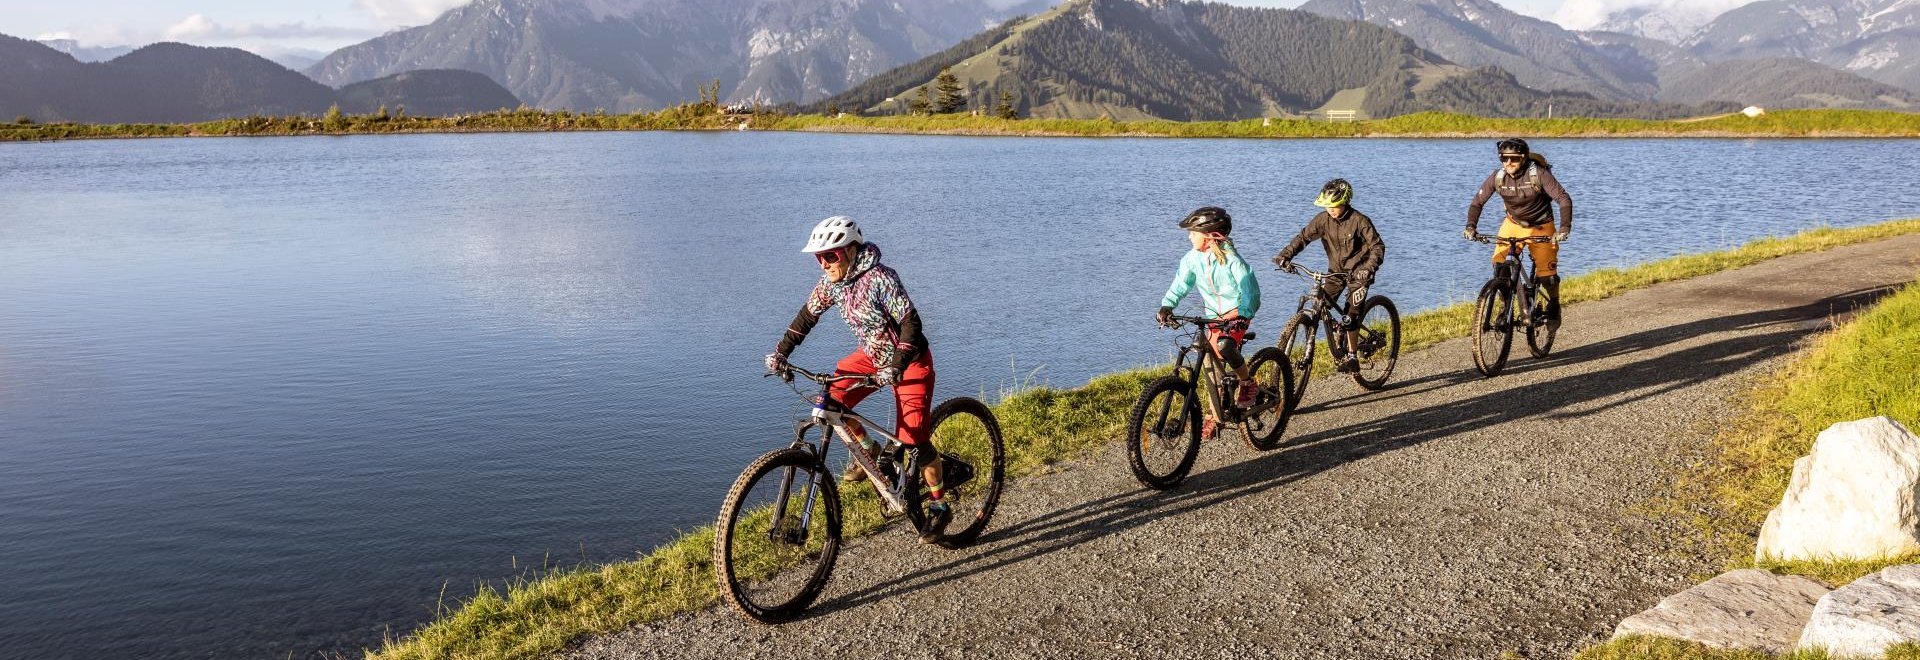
point(1492, 328)
point(1391, 347)
point(727, 566)
point(1303, 362)
point(993, 472)
point(1179, 409)
point(1271, 371)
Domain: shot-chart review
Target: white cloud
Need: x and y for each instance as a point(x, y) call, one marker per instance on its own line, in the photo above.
point(200, 29)
point(1682, 14)
point(50, 36)
point(392, 13)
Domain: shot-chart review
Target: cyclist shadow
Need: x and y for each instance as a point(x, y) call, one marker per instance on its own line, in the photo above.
point(1572, 395)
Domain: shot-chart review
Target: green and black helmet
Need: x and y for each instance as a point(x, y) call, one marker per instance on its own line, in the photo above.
point(1336, 193)
point(1208, 220)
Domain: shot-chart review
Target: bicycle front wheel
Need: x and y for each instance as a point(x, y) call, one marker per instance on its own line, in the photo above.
point(1268, 423)
point(973, 465)
point(777, 536)
point(1296, 343)
point(1492, 328)
point(1163, 433)
point(1379, 342)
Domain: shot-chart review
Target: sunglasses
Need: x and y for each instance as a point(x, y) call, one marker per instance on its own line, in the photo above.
point(828, 258)
point(1512, 159)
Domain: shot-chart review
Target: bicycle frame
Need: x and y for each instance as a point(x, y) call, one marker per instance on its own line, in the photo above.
point(1522, 285)
point(1322, 309)
point(1216, 374)
point(830, 415)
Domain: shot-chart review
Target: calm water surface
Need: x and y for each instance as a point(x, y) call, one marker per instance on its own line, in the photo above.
point(274, 396)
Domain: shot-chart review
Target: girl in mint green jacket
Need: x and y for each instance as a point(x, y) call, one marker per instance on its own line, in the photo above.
point(1228, 290)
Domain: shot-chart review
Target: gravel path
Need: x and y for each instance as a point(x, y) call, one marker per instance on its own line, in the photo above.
point(1449, 516)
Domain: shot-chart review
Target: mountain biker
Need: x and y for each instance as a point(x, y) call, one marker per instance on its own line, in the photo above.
point(1525, 183)
point(1353, 247)
point(893, 350)
point(1228, 291)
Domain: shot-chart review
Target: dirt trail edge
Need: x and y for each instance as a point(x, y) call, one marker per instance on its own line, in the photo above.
point(1449, 516)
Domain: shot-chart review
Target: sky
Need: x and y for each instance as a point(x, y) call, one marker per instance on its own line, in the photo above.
point(283, 26)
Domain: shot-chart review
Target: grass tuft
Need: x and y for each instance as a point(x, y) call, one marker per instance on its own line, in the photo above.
point(1865, 368)
point(1783, 123)
point(1637, 647)
point(1042, 426)
point(707, 116)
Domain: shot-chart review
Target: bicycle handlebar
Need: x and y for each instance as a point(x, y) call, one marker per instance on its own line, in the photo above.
point(1203, 321)
point(1512, 240)
point(820, 378)
point(1309, 273)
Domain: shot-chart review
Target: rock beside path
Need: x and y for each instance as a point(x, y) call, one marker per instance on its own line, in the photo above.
point(1857, 496)
point(1744, 609)
point(1862, 619)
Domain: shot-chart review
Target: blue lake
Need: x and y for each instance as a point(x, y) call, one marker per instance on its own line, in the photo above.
point(275, 396)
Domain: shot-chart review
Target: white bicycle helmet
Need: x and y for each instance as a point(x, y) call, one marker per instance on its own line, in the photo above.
point(837, 231)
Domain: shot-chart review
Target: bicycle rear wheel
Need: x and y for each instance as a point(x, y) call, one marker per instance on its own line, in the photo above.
point(1270, 369)
point(769, 564)
point(974, 466)
point(1540, 333)
point(1492, 328)
point(1296, 343)
point(1379, 342)
point(1163, 433)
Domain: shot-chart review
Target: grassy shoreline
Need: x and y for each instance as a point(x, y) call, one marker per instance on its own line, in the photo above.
point(1864, 368)
point(1043, 427)
point(707, 117)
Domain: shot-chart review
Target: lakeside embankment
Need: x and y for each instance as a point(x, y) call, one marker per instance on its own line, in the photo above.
point(1043, 427)
point(701, 117)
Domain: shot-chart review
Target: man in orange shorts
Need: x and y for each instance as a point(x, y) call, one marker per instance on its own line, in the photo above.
point(1525, 184)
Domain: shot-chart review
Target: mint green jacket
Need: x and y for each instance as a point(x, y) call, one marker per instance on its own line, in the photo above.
point(1223, 287)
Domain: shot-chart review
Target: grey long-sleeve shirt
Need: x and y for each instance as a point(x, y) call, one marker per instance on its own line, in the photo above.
point(1526, 197)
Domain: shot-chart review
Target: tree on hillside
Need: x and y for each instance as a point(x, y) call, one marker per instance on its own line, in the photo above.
point(1005, 109)
point(922, 105)
point(335, 121)
point(953, 97)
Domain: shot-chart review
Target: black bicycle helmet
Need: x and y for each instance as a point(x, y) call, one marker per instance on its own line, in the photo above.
point(1514, 146)
point(1208, 220)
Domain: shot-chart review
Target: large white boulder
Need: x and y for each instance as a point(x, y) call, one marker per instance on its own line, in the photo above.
point(1854, 497)
point(1744, 609)
point(1862, 619)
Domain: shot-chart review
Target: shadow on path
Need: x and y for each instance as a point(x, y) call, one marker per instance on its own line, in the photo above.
point(1768, 334)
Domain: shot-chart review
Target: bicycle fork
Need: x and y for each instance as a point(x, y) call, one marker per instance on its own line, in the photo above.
point(779, 532)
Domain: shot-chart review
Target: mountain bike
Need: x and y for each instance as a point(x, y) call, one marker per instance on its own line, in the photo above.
point(1378, 334)
point(1493, 311)
point(779, 531)
point(1164, 430)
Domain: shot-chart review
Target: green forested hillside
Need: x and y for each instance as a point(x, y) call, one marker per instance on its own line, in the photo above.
point(1143, 59)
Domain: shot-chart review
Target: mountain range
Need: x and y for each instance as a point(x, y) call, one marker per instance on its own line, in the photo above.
point(627, 55)
point(1614, 66)
point(1878, 39)
point(177, 83)
point(1136, 59)
point(1084, 58)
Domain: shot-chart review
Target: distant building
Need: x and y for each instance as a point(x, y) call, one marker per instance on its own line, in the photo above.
point(1754, 111)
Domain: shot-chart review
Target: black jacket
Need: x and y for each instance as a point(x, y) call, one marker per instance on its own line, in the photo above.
point(1353, 245)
